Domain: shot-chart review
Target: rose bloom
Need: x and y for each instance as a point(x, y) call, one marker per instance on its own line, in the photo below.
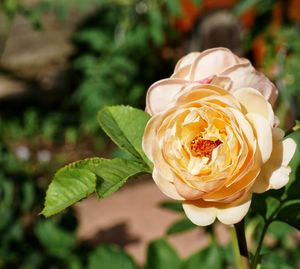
point(213, 137)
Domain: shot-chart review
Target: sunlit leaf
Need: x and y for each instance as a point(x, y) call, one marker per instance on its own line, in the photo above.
point(125, 126)
point(78, 180)
point(114, 173)
point(69, 185)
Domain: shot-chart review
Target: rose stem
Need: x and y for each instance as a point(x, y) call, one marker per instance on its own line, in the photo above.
point(242, 244)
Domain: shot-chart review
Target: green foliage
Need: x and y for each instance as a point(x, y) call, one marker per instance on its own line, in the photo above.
point(161, 255)
point(55, 240)
point(78, 180)
point(181, 226)
point(125, 126)
point(290, 213)
point(210, 257)
point(114, 173)
point(120, 54)
point(282, 204)
point(108, 256)
point(173, 206)
point(69, 185)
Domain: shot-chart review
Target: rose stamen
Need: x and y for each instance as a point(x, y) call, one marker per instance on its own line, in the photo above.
point(202, 147)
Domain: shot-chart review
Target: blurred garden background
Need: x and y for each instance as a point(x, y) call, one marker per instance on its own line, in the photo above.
point(63, 60)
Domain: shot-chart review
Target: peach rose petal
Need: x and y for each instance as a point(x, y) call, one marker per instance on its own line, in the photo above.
point(275, 173)
point(263, 134)
point(166, 186)
point(186, 191)
point(201, 216)
point(233, 214)
point(161, 93)
point(289, 148)
point(254, 102)
point(149, 136)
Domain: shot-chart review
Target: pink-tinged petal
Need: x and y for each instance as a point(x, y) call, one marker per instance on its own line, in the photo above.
point(254, 102)
point(201, 216)
point(244, 75)
point(263, 133)
point(184, 65)
point(162, 93)
point(166, 185)
point(222, 81)
point(212, 62)
point(233, 214)
point(278, 133)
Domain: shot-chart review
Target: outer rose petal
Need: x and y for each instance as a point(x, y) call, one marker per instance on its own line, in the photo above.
point(275, 173)
point(213, 62)
point(204, 216)
point(234, 214)
point(244, 75)
point(254, 102)
point(161, 94)
point(196, 66)
point(165, 185)
point(149, 138)
point(184, 65)
point(263, 134)
point(201, 216)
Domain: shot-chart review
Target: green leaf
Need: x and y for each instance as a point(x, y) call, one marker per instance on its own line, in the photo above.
point(78, 180)
point(125, 126)
point(290, 214)
point(173, 206)
point(266, 203)
point(56, 242)
point(161, 255)
point(114, 173)
point(181, 226)
point(110, 257)
point(174, 7)
point(210, 257)
point(69, 185)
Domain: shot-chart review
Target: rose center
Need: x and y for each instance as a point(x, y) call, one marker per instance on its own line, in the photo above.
point(202, 147)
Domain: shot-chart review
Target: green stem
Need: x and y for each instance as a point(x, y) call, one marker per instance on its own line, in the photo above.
point(256, 260)
point(242, 253)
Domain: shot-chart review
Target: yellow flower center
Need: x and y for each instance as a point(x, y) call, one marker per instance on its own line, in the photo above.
point(202, 147)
